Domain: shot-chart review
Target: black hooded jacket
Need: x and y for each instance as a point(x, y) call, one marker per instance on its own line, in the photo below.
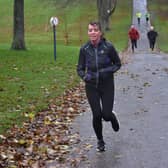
point(97, 63)
point(152, 35)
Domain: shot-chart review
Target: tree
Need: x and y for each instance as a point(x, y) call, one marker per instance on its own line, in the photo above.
point(105, 9)
point(18, 27)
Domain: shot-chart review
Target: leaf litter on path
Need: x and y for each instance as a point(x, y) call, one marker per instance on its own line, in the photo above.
point(45, 140)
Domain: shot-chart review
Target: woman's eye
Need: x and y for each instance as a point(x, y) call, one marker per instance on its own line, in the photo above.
point(95, 30)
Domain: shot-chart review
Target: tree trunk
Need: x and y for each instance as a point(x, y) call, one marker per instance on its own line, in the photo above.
point(105, 10)
point(18, 27)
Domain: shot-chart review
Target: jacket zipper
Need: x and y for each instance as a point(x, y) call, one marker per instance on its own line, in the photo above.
point(97, 72)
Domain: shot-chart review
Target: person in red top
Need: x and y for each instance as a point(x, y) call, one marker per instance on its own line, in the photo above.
point(134, 36)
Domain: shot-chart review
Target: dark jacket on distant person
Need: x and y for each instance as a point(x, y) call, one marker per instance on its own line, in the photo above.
point(152, 35)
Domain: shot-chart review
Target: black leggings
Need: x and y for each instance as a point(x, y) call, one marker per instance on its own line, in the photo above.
point(152, 44)
point(101, 101)
point(133, 44)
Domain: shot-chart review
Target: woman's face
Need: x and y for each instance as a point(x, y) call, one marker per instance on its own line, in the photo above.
point(94, 33)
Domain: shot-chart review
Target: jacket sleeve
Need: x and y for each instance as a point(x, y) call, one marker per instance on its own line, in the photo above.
point(116, 62)
point(138, 35)
point(81, 64)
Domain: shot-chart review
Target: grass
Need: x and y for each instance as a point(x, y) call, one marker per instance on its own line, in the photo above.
point(159, 17)
point(31, 79)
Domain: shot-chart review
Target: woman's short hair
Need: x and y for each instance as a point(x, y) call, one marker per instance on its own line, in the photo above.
point(96, 23)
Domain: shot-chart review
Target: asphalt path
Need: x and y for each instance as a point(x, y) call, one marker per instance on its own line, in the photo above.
point(141, 105)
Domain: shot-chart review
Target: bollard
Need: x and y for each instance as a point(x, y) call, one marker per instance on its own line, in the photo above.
point(54, 23)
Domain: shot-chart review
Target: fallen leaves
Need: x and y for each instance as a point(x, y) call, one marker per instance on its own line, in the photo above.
point(45, 140)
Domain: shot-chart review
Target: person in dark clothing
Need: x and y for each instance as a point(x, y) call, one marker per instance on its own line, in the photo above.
point(98, 61)
point(147, 16)
point(134, 36)
point(138, 15)
point(152, 35)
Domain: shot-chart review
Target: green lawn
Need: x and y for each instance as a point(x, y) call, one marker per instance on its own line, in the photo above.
point(29, 79)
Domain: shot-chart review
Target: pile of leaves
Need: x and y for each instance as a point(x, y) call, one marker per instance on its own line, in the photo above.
point(45, 140)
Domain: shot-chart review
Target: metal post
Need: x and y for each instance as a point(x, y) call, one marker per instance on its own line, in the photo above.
point(54, 32)
point(54, 23)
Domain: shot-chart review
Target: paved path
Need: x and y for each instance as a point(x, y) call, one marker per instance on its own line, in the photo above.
point(140, 6)
point(141, 104)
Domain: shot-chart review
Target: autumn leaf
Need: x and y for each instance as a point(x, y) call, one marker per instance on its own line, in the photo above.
point(45, 138)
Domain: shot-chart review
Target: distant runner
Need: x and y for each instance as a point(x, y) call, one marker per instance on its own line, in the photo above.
point(147, 16)
point(152, 35)
point(134, 36)
point(138, 15)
